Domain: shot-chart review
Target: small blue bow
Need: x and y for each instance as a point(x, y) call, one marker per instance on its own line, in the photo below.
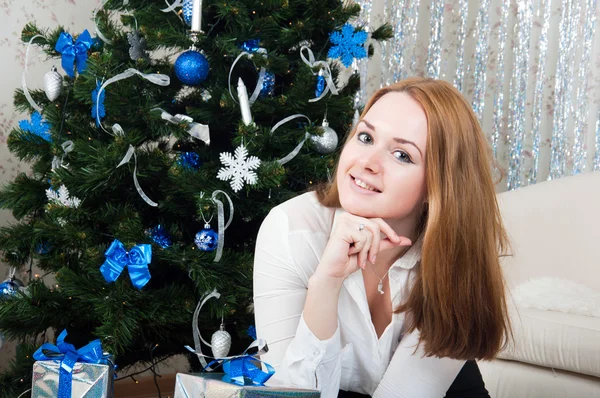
point(239, 368)
point(74, 52)
point(68, 356)
point(136, 261)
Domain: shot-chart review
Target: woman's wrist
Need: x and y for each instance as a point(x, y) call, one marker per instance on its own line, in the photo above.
point(323, 281)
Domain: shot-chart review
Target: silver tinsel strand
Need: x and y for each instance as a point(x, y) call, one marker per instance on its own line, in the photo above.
point(499, 93)
point(364, 19)
point(481, 57)
point(434, 54)
point(459, 77)
point(392, 54)
point(518, 94)
point(581, 107)
point(538, 97)
point(564, 83)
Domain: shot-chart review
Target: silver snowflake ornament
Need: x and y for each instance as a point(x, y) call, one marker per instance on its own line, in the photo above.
point(238, 168)
point(138, 45)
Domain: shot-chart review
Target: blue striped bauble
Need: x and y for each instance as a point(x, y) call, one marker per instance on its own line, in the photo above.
point(188, 9)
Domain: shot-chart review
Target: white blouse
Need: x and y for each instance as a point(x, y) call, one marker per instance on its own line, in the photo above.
point(290, 243)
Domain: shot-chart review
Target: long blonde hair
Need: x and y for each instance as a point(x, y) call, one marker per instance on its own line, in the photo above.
point(458, 301)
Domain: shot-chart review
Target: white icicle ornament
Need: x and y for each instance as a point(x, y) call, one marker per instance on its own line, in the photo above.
point(52, 84)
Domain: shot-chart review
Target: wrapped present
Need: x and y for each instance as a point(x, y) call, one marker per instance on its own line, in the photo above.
point(211, 385)
point(64, 372)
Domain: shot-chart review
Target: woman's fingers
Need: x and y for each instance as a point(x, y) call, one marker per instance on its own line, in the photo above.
point(363, 254)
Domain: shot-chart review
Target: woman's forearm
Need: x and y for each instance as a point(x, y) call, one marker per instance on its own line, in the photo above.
point(321, 306)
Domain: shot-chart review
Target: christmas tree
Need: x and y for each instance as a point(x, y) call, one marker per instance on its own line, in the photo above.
point(136, 152)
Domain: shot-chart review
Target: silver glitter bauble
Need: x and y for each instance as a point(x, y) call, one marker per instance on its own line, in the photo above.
point(52, 84)
point(327, 142)
point(221, 343)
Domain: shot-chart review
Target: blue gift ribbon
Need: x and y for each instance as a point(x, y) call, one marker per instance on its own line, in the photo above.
point(136, 261)
point(68, 356)
point(74, 52)
point(242, 367)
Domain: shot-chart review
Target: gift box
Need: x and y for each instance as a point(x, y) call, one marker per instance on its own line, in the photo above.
point(88, 380)
point(65, 372)
point(211, 385)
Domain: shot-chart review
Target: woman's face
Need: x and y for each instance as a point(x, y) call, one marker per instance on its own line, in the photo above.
point(381, 171)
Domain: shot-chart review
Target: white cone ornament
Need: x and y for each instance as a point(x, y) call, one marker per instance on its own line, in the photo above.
point(52, 84)
point(220, 343)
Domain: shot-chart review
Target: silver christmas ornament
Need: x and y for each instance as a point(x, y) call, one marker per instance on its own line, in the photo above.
point(137, 45)
point(52, 84)
point(327, 142)
point(220, 343)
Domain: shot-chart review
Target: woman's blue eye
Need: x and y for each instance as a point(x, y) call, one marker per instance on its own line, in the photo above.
point(402, 156)
point(364, 138)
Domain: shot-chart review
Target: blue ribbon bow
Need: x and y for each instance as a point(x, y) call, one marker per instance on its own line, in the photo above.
point(68, 356)
point(136, 261)
point(74, 52)
point(241, 367)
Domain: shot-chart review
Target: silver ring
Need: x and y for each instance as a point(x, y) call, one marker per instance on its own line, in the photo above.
point(361, 227)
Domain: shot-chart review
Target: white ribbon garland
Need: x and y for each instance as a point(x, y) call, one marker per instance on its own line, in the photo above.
point(33, 104)
point(126, 159)
point(196, 330)
point(292, 154)
point(57, 162)
point(310, 61)
point(98, 33)
point(196, 130)
point(156, 78)
point(221, 221)
point(261, 75)
point(260, 344)
point(172, 7)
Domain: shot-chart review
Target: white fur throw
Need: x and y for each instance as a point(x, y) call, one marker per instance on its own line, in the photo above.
point(555, 294)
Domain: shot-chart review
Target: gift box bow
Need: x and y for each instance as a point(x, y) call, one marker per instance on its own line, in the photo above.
point(67, 354)
point(239, 368)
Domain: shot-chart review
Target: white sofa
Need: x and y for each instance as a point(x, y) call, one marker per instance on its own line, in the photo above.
point(554, 284)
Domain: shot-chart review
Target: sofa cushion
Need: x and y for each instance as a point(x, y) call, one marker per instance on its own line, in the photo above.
point(555, 340)
point(510, 379)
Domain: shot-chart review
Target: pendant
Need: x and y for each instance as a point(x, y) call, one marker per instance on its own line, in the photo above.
point(380, 287)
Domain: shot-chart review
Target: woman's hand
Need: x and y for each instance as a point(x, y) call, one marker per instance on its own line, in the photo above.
point(353, 241)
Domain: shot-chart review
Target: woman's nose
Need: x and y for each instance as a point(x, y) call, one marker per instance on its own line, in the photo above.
point(371, 161)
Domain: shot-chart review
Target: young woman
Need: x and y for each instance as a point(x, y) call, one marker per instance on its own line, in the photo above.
point(387, 281)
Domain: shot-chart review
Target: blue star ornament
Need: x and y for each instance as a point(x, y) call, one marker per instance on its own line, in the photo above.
point(98, 110)
point(37, 126)
point(348, 44)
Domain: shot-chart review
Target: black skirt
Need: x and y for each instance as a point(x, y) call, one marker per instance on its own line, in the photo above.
point(468, 384)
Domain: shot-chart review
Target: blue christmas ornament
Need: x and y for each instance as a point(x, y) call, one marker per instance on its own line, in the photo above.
point(43, 248)
point(191, 67)
point(207, 239)
point(97, 44)
point(348, 44)
point(10, 287)
point(268, 85)
point(160, 236)
point(98, 110)
point(189, 160)
point(188, 9)
point(37, 126)
point(251, 46)
point(320, 84)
